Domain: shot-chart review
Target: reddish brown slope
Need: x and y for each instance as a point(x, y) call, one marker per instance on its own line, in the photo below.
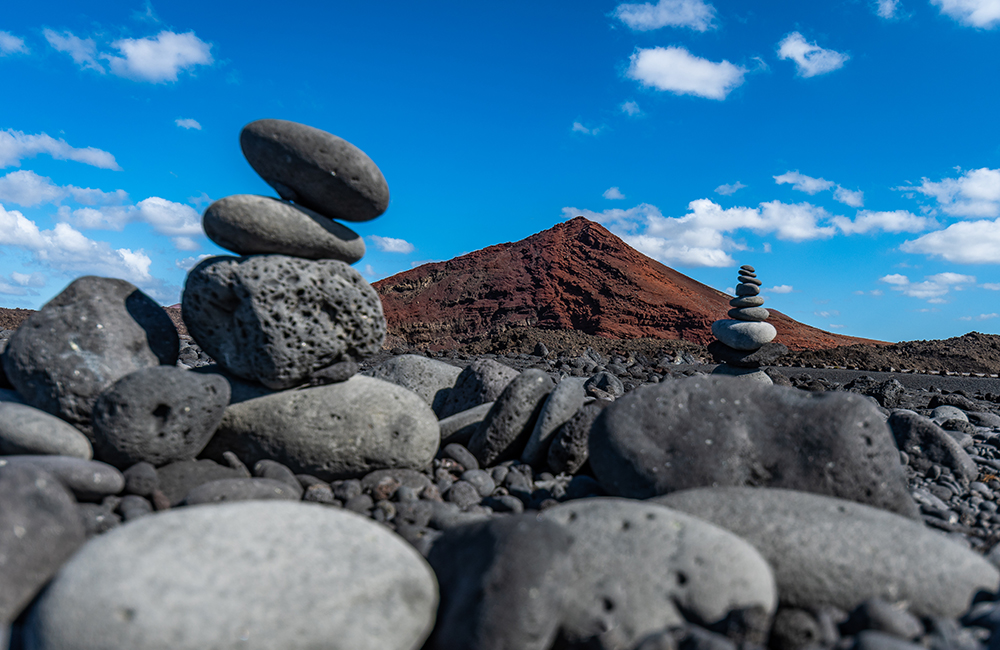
point(576, 275)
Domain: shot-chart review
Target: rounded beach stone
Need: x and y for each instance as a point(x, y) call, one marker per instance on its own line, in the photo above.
point(828, 551)
point(248, 224)
point(570, 445)
point(640, 567)
point(337, 431)
point(96, 331)
point(176, 480)
point(27, 430)
point(480, 382)
point(743, 335)
point(158, 415)
point(749, 279)
point(747, 301)
point(278, 319)
point(429, 378)
point(754, 314)
point(748, 269)
point(251, 575)
point(88, 480)
point(755, 375)
point(505, 430)
point(747, 290)
point(315, 169)
point(561, 405)
point(241, 489)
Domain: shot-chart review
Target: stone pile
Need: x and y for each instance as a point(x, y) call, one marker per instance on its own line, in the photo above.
point(745, 340)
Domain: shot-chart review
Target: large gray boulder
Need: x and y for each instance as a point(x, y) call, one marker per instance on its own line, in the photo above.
point(96, 331)
point(252, 225)
point(27, 430)
point(158, 415)
point(639, 568)
point(315, 169)
point(429, 378)
point(337, 431)
point(277, 319)
point(255, 575)
point(705, 431)
point(827, 551)
point(39, 530)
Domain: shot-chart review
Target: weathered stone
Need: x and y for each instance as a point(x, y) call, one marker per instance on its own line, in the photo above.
point(743, 335)
point(916, 434)
point(88, 480)
point(762, 356)
point(750, 314)
point(561, 405)
point(429, 378)
point(241, 489)
point(510, 422)
point(27, 430)
point(481, 381)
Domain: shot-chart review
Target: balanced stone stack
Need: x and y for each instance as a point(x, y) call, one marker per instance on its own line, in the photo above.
point(745, 339)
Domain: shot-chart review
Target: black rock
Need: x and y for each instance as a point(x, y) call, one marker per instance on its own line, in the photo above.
point(508, 425)
point(604, 383)
point(922, 439)
point(763, 356)
point(461, 455)
point(141, 479)
point(178, 479)
point(463, 494)
point(570, 447)
point(480, 382)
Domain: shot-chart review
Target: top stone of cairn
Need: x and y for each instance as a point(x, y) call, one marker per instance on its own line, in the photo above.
point(315, 169)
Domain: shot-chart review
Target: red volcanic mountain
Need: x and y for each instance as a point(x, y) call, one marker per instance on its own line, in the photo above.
point(577, 276)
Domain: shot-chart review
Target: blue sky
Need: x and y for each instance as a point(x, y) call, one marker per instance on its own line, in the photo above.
point(848, 149)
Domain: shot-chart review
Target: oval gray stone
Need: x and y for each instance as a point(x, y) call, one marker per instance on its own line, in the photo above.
point(747, 290)
point(749, 279)
point(88, 480)
point(747, 301)
point(241, 489)
point(256, 575)
point(278, 319)
point(711, 430)
point(828, 551)
point(920, 436)
point(460, 426)
point(248, 224)
point(640, 567)
point(751, 314)
point(743, 335)
point(337, 431)
point(561, 405)
point(158, 415)
point(744, 374)
point(429, 378)
point(505, 430)
point(481, 381)
point(316, 169)
point(96, 331)
point(27, 430)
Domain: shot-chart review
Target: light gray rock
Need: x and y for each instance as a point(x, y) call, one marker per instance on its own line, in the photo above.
point(429, 378)
point(315, 169)
point(755, 375)
point(158, 415)
point(88, 480)
point(743, 335)
point(256, 575)
point(278, 319)
point(27, 430)
point(827, 551)
point(920, 437)
point(337, 431)
point(96, 331)
point(749, 278)
point(570, 446)
point(747, 290)
point(482, 381)
point(460, 426)
point(944, 413)
point(562, 404)
point(640, 568)
point(241, 489)
point(746, 301)
point(252, 225)
point(505, 430)
point(751, 314)
point(39, 530)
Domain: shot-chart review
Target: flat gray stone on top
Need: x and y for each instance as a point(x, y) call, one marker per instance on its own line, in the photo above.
point(277, 319)
point(315, 169)
point(88, 480)
point(562, 404)
point(247, 224)
point(481, 381)
point(255, 575)
point(505, 430)
point(27, 430)
point(640, 567)
point(429, 378)
point(337, 431)
point(827, 551)
point(96, 331)
point(743, 335)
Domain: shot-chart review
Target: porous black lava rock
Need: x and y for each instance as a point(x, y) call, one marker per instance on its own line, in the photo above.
point(705, 431)
point(507, 427)
point(158, 415)
point(96, 331)
point(315, 169)
point(278, 319)
point(763, 356)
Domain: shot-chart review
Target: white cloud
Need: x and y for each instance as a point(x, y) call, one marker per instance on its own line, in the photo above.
point(728, 190)
point(699, 238)
point(896, 221)
point(896, 279)
point(16, 146)
point(83, 51)
point(974, 194)
point(159, 59)
point(836, 327)
point(887, 9)
point(391, 244)
point(781, 288)
point(810, 59)
point(630, 108)
point(21, 284)
point(188, 123)
point(767, 247)
point(974, 13)
point(676, 70)
point(991, 286)
point(10, 44)
point(803, 183)
point(968, 242)
point(369, 270)
point(176, 220)
point(853, 198)
point(695, 14)
point(981, 317)
point(826, 314)
point(28, 189)
point(188, 263)
point(613, 193)
point(934, 287)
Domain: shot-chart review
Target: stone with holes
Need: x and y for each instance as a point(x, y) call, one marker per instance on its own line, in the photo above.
point(96, 331)
point(640, 567)
point(315, 169)
point(278, 319)
point(704, 431)
point(158, 415)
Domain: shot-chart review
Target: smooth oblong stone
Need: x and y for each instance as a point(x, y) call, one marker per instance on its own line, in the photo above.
point(746, 268)
point(747, 290)
point(756, 314)
point(747, 301)
point(251, 225)
point(747, 279)
point(743, 335)
point(27, 430)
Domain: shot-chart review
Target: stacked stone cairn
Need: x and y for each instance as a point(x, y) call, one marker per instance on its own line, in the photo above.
point(745, 340)
point(298, 493)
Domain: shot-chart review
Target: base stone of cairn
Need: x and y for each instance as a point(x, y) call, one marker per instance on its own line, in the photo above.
point(745, 341)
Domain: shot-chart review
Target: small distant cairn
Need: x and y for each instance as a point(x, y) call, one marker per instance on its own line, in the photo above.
point(745, 341)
